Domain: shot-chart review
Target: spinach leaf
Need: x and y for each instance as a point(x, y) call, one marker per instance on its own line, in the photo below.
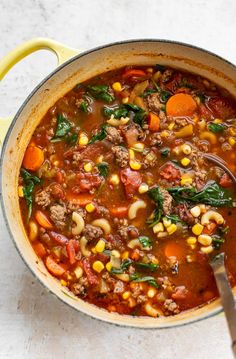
point(165, 151)
point(145, 241)
point(71, 139)
point(125, 111)
point(100, 135)
point(84, 106)
point(211, 194)
point(103, 168)
point(148, 92)
point(217, 241)
point(163, 94)
point(123, 267)
point(156, 195)
point(173, 218)
point(151, 266)
point(101, 92)
point(117, 112)
point(29, 183)
point(149, 279)
point(63, 126)
point(216, 127)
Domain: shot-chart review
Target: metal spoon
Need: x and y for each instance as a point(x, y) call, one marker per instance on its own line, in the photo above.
point(220, 163)
point(226, 295)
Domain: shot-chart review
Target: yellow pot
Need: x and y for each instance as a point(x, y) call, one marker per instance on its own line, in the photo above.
point(78, 68)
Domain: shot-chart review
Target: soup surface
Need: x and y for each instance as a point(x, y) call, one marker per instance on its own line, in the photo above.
point(117, 198)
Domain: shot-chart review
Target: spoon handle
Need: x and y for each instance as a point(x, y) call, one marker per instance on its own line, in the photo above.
point(226, 296)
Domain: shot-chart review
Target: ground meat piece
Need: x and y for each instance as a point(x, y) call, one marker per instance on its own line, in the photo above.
point(74, 207)
point(184, 214)
point(102, 211)
point(166, 76)
point(119, 287)
point(181, 121)
point(167, 201)
point(57, 215)
point(76, 158)
point(115, 242)
point(200, 179)
point(78, 102)
point(156, 140)
point(127, 232)
point(153, 103)
point(43, 198)
point(171, 307)
point(132, 133)
point(150, 159)
point(121, 155)
point(141, 299)
point(80, 288)
point(91, 232)
point(113, 135)
point(136, 290)
point(203, 146)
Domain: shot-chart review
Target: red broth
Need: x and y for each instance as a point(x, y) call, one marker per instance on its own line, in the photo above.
point(117, 198)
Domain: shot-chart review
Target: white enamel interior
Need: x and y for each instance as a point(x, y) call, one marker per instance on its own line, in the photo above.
point(60, 82)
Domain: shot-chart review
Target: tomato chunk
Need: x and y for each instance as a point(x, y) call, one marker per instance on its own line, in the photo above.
point(92, 278)
point(226, 181)
point(72, 248)
point(131, 180)
point(170, 172)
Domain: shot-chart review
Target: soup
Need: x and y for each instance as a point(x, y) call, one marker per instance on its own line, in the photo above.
point(117, 198)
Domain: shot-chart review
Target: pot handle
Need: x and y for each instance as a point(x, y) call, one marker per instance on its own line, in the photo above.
point(62, 52)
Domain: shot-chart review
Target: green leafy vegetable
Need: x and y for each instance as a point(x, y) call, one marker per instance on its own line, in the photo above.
point(123, 267)
point(217, 241)
point(117, 112)
point(163, 94)
point(100, 135)
point(101, 92)
point(173, 218)
point(216, 127)
point(84, 106)
point(149, 279)
point(151, 266)
point(211, 194)
point(71, 139)
point(160, 68)
point(156, 195)
point(30, 181)
point(103, 168)
point(145, 241)
point(125, 111)
point(63, 126)
point(148, 92)
point(165, 151)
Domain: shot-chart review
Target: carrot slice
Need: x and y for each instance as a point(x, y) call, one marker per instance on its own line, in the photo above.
point(181, 104)
point(154, 122)
point(173, 249)
point(53, 267)
point(119, 212)
point(43, 220)
point(80, 199)
point(39, 249)
point(33, 158)
point(133, 73)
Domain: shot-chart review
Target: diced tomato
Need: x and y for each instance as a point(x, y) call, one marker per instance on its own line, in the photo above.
point(119, 212)
point(57, 191)
point(170, 172)
point(133, 73)
point(86, 182)
point(53, 267)
point(59, 177)
point(39, 249)
point(210, 228)
point(131, 180)
point(130, 134)
point(92, 151)
point(222, 107)
point(72, 248)
point(92, 278)
point(205, 112)
point(174, 82)
point(180, 293)
point(58, 238)
point(226, 181)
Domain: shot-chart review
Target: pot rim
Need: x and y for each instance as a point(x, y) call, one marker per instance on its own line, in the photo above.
point(15, 118)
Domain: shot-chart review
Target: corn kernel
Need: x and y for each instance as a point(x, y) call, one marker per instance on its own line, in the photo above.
point(100, 159)
point(69, 277)
point(100, 246)
point(197, 229)
point(191, 240)
point(98, 266)
point(186, 180)
point(171, 126)
point(172, 228)
point(131, 154)
point(125, 100)
point(143, 188)
point(83, 139)
point(195, 211)
point(158, 228)
point(231, 141)
point(150, 70)
point(125, 255)
point(33, 230)
point(165, 134)
point(202, 208)
point(115, 253)
point(90, 207)
point(63, 282)
point(126, 295)
point(20, 191)
point(232, 131)
point(218, 121)
point(135, 165)
point(114, 179)
point(117, 86)
point(78, 272)
point(151, 292)
point(207, 250)
point(166, 222)
point(138, 146)
point(93, 249)
point(186, 149)
point(185, 161)
point(108, 266)
point(88, 167)
point(204, 239)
